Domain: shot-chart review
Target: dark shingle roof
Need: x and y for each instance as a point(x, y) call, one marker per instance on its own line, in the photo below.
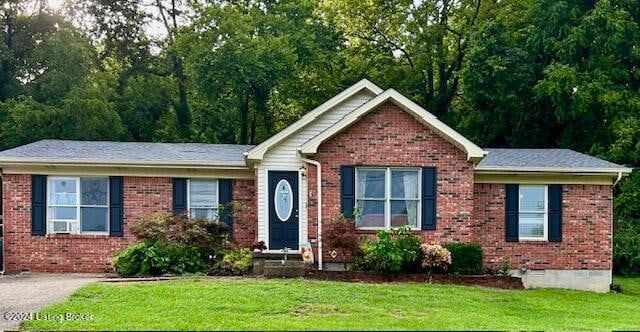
point(130, 152)
point(543, 158)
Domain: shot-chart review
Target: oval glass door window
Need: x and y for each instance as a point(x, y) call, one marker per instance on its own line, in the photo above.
point(283, 200)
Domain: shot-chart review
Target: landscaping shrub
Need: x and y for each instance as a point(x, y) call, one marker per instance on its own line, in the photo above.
point(466, 258)
point(435, 258)
point(341, 235)
point(238, 261)
point(172, 245)
point(153, 258)
point(505, 268)
point(626, 257)
point(396, 250)
point(209, 236)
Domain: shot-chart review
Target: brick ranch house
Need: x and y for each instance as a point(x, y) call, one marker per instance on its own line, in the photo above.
point(68, 205)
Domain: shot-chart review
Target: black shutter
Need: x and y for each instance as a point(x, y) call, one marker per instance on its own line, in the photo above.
point(179, 195)
point(347, 190)
point(555, 213)
point(429, 193)
point(225, 188)
point(38, 205)
point(511, 212)
point(116, 206)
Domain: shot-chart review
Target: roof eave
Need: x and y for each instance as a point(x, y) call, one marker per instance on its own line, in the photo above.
point(119, 163)
point(614, 172)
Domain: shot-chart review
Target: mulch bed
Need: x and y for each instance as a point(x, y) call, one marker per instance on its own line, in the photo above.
point(375, 277)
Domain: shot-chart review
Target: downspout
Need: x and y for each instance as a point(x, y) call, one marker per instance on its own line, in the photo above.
point(618, 179)
point(319, 193)
point(612, 226)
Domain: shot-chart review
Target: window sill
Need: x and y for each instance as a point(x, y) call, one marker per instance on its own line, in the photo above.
point(533, 241)
point(375, 230)
point(76, 236)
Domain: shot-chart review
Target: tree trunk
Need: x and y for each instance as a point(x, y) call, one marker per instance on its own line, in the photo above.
point(244, 119)
point(183, 112)
point(254, 128)
point(6, 72)
point(261, 97)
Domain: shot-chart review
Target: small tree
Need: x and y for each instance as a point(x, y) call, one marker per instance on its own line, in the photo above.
point(340, 234)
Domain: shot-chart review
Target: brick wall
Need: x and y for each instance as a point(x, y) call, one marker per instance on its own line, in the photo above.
point(73, 253)
point(143, 196)
point(245, 222)
point(389, 136)
point(586, 230)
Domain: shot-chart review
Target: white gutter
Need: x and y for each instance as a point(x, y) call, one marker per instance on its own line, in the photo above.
point(500, 169)
point(319, 193)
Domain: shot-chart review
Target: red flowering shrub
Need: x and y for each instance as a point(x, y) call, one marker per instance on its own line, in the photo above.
point(340, 235)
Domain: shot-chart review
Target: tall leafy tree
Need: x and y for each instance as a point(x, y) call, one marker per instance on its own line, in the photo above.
point(415, 46)
point(256, 57)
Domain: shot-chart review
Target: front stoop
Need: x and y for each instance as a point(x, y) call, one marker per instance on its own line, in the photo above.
point(274, 265)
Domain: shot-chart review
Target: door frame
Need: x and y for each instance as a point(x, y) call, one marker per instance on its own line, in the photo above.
point(266, 209)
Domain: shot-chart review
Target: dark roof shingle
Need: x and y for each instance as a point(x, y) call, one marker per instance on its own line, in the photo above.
point(131, 152)
point(543, 158)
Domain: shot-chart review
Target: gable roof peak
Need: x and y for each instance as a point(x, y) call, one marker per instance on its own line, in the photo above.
point(474, 152)
point(257, 153)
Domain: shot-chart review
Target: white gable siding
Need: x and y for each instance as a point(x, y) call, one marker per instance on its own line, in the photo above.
point(284, 157)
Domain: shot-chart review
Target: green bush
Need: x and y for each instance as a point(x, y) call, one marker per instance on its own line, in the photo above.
point(172, 245)
point(153, 258)
point(238, 261)
point(209, 236)
point(466, 258)
point(395, 251)
point(626, 236)
point(626, 257)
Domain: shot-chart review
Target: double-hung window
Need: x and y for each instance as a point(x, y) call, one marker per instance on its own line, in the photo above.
point(533, 216)
point(78, 205)
point(203, 199)
point(387, 197)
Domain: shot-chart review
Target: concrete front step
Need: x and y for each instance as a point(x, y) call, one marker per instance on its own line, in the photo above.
point(275, 259)
point(290, 269)
point(288, 263)
point(276, 256)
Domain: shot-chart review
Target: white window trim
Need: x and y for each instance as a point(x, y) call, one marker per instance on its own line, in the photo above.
point(545, 236)
point(78, 206)
point(387, 195)
point(216, 206)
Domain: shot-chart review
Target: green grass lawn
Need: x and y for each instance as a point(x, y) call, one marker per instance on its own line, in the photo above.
point(630, 286)
point(301, 304)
